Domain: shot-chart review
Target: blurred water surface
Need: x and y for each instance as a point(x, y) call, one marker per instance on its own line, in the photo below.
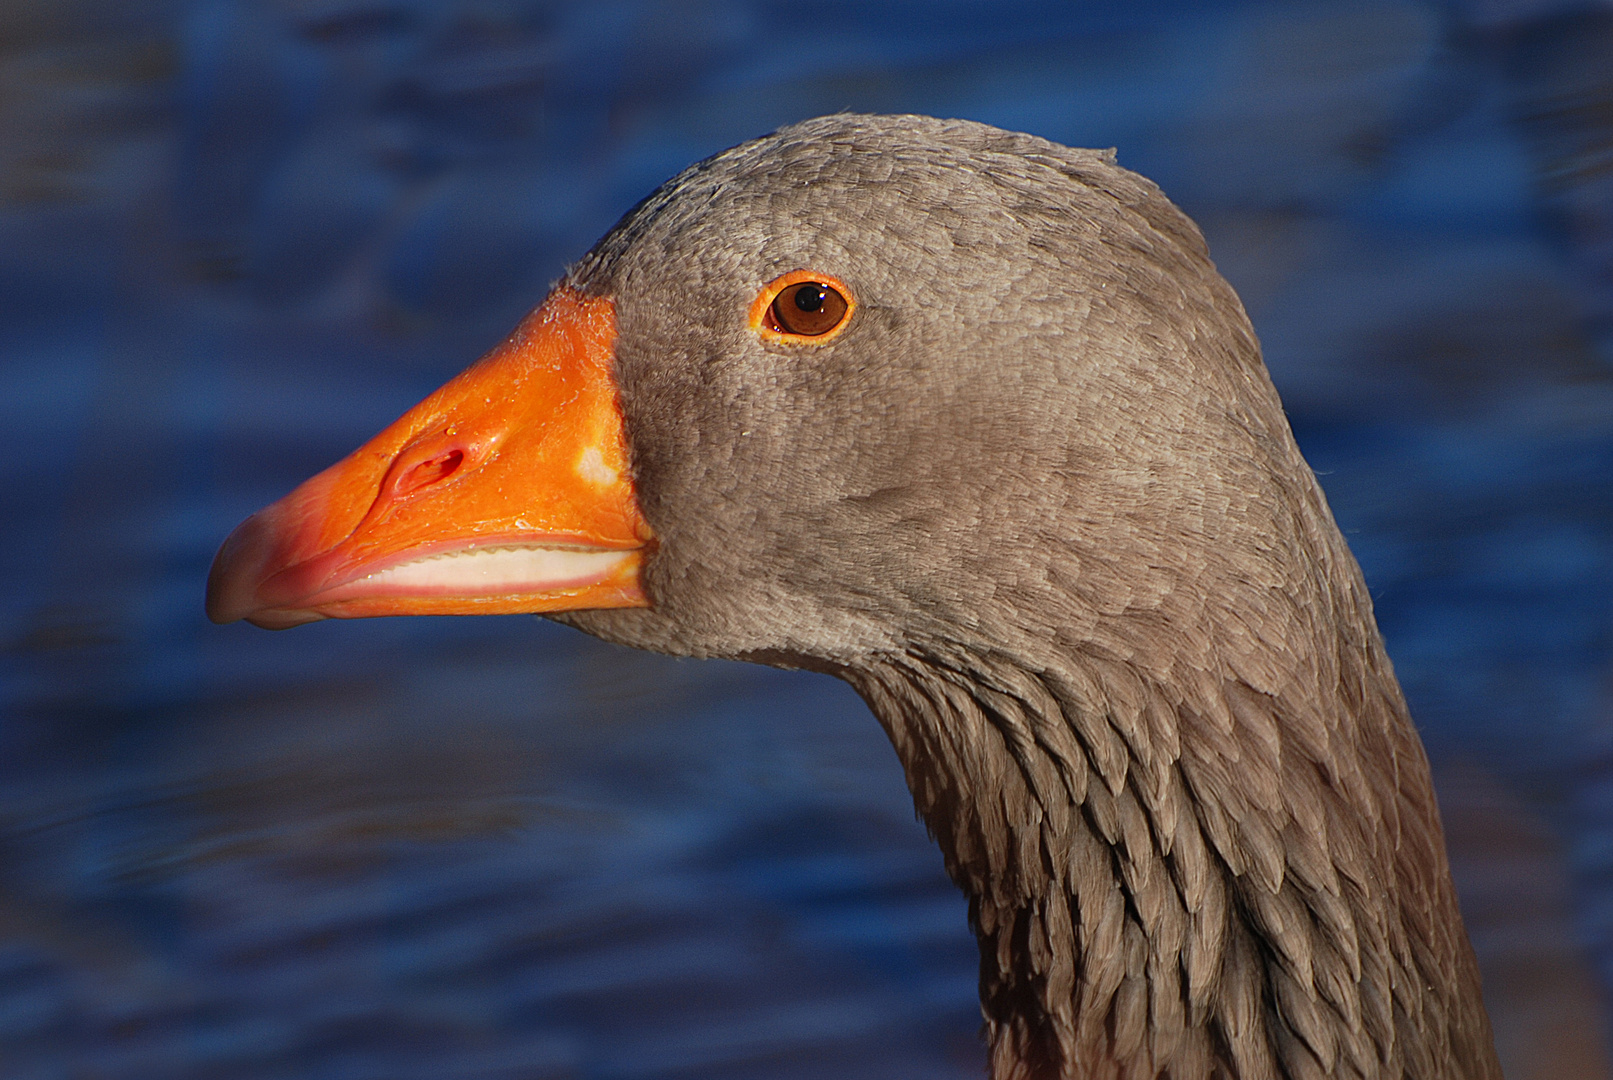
point(239, 236)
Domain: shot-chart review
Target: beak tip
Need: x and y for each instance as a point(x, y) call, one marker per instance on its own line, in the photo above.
point(283, 620)
point(224, 604)
point(238, 568)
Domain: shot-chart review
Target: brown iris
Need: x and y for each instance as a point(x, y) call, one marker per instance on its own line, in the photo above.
point(803, 307)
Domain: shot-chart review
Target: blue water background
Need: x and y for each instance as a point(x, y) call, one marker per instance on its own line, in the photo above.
point(237, 237)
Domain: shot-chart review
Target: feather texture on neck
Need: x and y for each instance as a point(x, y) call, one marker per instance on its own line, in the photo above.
point(1226, 867)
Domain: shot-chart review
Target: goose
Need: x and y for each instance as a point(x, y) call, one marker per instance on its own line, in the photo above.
point(968, 419)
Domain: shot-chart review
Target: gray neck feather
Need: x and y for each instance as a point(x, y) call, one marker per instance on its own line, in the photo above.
point(1171, 880)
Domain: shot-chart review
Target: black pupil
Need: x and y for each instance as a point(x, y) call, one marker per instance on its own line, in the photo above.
point(809, 298)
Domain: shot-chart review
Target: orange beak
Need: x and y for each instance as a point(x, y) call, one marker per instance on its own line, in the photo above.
point(507, 490)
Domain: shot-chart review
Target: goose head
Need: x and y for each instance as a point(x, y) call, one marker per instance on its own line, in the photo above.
point(969, 419)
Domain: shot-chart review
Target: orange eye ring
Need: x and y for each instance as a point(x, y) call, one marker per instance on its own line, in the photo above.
point(792, 308)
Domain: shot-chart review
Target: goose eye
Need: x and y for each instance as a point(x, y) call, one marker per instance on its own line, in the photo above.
point(803, 307)
point(809, 309)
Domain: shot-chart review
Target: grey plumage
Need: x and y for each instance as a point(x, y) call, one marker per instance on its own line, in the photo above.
point(1040, 505)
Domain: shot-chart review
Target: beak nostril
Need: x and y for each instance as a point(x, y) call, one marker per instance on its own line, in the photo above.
point(433, 470)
